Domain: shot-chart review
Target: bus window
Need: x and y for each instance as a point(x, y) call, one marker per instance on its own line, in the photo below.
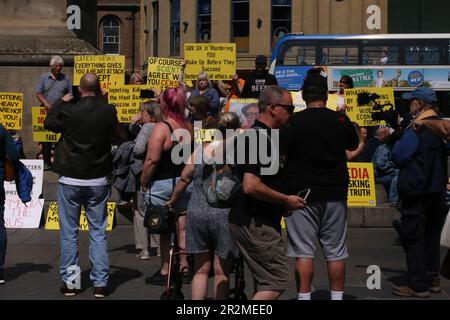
point(297, 55)
point(333, 55)
point(381, 55)
point(422, 55)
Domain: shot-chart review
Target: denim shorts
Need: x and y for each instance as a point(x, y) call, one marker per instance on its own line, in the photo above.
point(161, 191)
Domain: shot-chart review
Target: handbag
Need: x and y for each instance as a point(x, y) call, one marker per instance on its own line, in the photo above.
point(445, 234)
point(159, 219)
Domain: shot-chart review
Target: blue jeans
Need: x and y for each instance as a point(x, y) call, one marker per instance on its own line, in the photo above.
point(390, 185)
point(3, 238)
point(94, 199)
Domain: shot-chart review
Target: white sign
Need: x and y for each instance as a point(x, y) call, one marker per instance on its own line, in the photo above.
point(17, 214)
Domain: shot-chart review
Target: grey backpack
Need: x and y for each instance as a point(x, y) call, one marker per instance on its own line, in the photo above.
point(223, 187)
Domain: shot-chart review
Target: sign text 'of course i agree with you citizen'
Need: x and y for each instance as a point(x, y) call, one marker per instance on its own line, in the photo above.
point(40, 134)
point(11, 109)
point(217, 59)
point(17, 214)
point(109, 69)
point(52, 220)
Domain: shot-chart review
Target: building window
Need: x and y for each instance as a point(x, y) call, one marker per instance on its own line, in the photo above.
point(111, 36)
point(175, 28)
point(281, 18)
point(204, 21)
point(240, 24)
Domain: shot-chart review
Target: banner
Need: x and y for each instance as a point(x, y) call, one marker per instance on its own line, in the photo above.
point(17, 214)
point(126, 99)
point(163, 73)
point(363, 102)
point(52, 220)
point(300, 104)
point(38, 115)
point(399, 78)
point(247, 111)
point(11, 110)
point(291, 77)
point(217, 59)
point(361, 187)
point(109, 69)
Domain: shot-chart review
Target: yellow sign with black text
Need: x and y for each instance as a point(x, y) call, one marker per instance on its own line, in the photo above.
point(361, 187)
point(40, 134)
point(217, 59)
point(52, 220)
point(361, 103)
point(126, 99)
point(163, 73)
point(11, 110)
point(109, 69)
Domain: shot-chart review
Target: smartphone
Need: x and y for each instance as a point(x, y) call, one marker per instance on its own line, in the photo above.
point(147, 94)
point(304, 194)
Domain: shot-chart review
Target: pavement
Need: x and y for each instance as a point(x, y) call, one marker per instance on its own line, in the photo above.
point(32, 263)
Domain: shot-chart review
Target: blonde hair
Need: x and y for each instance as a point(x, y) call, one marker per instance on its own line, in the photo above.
point(203, 76)
point(136, 76)
point(228, 120)
point(153, 110)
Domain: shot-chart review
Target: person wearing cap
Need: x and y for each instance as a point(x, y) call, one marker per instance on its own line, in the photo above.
point(422, 160)
point(315, 144)
point(258, 80)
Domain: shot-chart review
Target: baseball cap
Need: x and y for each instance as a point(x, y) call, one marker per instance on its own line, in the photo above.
point(425, 94)
point(261, 59)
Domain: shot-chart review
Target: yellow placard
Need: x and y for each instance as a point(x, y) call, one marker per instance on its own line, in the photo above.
point(126, 99)
point(362, 102)
point(300, 104)
point(217, 59)
point(361, 187)
point(207, 135)
point(38, 115)
point(163, 72)
point(11, 110)
point(52, 220)
point(109, 69)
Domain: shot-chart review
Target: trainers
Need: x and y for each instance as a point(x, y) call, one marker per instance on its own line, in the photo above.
point(100, 292)
point(143, 255)
point(406, 291)
point(157, 279)
point(2, 277)
point(66, 291)
point(435, 285)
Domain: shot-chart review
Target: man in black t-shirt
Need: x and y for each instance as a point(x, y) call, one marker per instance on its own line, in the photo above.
point(258, 80)
point(256, 216)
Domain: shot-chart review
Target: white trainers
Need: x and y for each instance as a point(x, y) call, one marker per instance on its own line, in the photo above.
point(143, 255)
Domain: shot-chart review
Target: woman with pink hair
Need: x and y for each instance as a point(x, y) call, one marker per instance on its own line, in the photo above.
point(160, 173)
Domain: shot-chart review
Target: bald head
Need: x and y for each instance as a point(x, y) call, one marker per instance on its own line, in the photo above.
point(89, 84)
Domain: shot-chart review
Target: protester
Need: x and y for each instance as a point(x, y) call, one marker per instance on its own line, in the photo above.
point(8, 149)
point(205, 88)
point(256, 215)
point(160, 174)
point(258, 80)
point(354, 155)
point(373, 143)
point(199, 110)
point(52, 86)
point(316, 142)
point(90, 125)
point(422, 160)
point(136, 79)
point(385, 170)
point(208, 236)
point(346, 82)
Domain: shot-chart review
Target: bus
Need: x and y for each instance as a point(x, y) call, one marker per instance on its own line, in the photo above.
point(401, 61)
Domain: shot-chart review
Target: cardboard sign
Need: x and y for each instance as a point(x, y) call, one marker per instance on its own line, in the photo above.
point(40, 134)
point(246, 109)
point(109, 69)
point(126, 99)
point(207, 135)
point(363, 102)
point(361, 187)
point(11, 110)
point(217, 59)
point(17, 214)
point(163, 73)
point(52, 220)
point(300, 104)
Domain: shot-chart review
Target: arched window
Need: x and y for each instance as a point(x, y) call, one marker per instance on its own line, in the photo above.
point(111, 36)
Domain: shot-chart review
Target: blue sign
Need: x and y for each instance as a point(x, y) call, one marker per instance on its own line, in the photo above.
point(291, 78)
point(415, 78)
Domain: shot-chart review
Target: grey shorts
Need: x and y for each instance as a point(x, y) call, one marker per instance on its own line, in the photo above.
point(323, 221)
point(264, 252)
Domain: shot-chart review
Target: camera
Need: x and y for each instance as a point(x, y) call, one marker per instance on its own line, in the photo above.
point(147, 94)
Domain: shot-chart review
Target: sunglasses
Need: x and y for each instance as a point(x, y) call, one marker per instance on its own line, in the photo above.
point(288, 107)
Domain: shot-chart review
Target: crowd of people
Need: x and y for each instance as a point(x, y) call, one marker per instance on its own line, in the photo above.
point(309, 189)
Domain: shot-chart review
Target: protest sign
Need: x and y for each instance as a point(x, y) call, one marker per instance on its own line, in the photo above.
point(11, 109)
point(109, 69)
point(363, 102)
point(361, 187)
point(163, 73)
point(40, 134)
point(300, 104)
point(246, 109)
point(126, 99)
point(217, 59)
point(17, 214)
point(52, 220)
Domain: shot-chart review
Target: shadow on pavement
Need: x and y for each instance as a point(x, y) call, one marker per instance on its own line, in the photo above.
point(18, 270)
